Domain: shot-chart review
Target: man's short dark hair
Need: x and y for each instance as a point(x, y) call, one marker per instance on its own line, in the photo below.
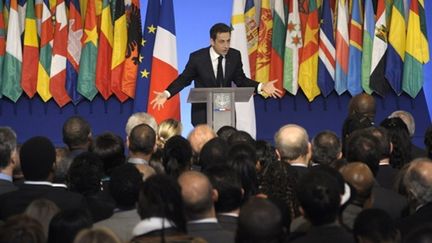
point(85, 174)
point(326, 147)
point(384, 140)
point(37, 157)
point(225, 132)
point(213, 153)
point(364, 147)
point(142, 139)
point(219, 28)
point(375, 225)
point(76, 131)
point(110, 149)
point(177, 156)
point(125, 185)
point(7, 145)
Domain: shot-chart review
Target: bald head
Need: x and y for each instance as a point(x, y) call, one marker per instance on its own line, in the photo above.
point(198, 195)
point(418, 181)
point(199, 136)
point(292, 142)
point(358, 175)
point(362, 104)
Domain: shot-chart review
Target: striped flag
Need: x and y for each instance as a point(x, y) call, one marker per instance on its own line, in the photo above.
point(119, 50)
point(30, 52)
point(355, 49)
point(252, 35)
point(245, 111)
point(396, 48)
point(6, 7)
point(278, 45)
point(47, 35)
point(59, 51)
point(264, 43)
point(342, 48)
point(38, 13)
point(74, 46)
point(417, 49)
point(368, 34)
point(146, 56)
point(2, 42)
point(87, 71)
point(103, 66)
point(378, 83)
point(11, 85)
point(303, 6)
point(293, 43)
point(308, 71)
point(133, 14)
point(327, 52)
point(164, 64)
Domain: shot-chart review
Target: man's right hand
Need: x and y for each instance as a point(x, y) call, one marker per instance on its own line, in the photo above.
point(159, 101)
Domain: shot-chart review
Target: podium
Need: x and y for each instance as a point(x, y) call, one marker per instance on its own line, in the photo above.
point(220, 103)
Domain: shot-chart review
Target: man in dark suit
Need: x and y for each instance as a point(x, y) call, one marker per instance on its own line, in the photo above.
point(37, 160)
point(7, 162)
point(214, 66)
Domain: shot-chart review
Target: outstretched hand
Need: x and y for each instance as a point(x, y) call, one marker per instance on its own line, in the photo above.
point(159, 101)
point(270, 89)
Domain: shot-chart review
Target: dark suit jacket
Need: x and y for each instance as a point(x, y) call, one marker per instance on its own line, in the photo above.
point(7, 186)
point(228, 222)
point(326, 233)
point(390, 201)
point(199, 68)
point(421, 217)
point(386, 176)
point(17, 201)
point(211, 232)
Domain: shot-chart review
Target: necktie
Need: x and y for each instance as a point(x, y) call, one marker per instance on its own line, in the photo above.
point(219, 75)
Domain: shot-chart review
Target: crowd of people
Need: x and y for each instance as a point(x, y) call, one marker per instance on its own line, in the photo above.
point(370, 184)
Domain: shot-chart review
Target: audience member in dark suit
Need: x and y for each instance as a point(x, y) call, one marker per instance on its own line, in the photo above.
point(375, 225)
point(293, 147)
point(111, 150)
point(124, 188)
point(320, 196)
point(418, 184)
point(141, 144)
point(37, 160)
point(213, 153)
point(203, 66)
point(326, 148)
point(198, 198)
point(65, 225)
point(177, 156)
point(230, 194)
point(22, 228)
point(85, 177)
point(7, 159)
point(398, 134)
point(260, 221)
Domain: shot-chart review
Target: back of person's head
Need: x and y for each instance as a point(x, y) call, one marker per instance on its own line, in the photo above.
point(384, 141)
point(199, 136)
point(353, 123)
point(407, 118)
point(418, 181)
point(140, 118)
point(266, 154)
point(240, 137)
point(260, 221)
point(326, 148)
point(124, 185)
point(85, 174)
point(218, 28)
point(359, 176)
point(42, 210)
point(399, 137)
point(363, 104)
point(8, 143)
point(228, 185)
point(375, 225)
point(168, 129)
point(292, 142)
point(198, 195)
point(142, 139)
point(110, 149)
point(364, 147)
point(213, 153)
point(420, 234)
point(76, 132)
point(65, 225)
point(97, 235)
point(160, 196)
point(63, 162)
point(22, 229)
point(177, 156)
point(37, 157)
point(319, 196)
point(225, 132)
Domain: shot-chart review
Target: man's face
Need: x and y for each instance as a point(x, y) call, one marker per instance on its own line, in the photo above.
point(222, 43)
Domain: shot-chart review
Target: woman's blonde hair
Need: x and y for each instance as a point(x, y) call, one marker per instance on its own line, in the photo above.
point(166, 130)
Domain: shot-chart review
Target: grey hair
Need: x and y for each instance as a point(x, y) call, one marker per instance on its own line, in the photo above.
point(138, 119)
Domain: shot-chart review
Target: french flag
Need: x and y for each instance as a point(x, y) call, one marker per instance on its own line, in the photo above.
point(164, 65)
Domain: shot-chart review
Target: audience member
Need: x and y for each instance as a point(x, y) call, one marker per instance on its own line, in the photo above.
point(177, 156)
point(8, 143)
point(141, 144)
point(401, 143)
point(99, 235)
point(266, 155)
point(166, 130)
point(43, 211)
point(351, 124)
point(22, 229)
point(199, 136)
point(198, 198)
point(110, 149)
point(65, 225)
point(326, 148)
point(124, 188)
point(37, 161)
point(260, 221)
point(240, 137)
point(375, 225)
point(63, 161)
point(213, 153)
point(225, 132)
point(363, 104)
point(138, 119)
point(77, 135)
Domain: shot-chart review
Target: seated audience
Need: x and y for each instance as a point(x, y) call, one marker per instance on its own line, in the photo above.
point(43, 211)
point(8, 144)
point(375, 225)
point(22, 229)
point(65, 225)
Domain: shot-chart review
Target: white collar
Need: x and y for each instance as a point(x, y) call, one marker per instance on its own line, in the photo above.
point(138, 161)
point(38, 183)
point(205, 220)
point(151, 224)
point(213, 54)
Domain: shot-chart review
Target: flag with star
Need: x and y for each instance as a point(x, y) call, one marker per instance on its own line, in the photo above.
point(278, 45)
point(368, 33)
point(342, 48)
point(87, 73)
point(103, 66)
point(45, 52)
point(326, 52)
point(145, 56)
point(417, 49)
point(308, 71)
point(251, 34)
point(355, 49)
point(293, 43)
point(264, 43)
point(133, 14)
point(119, 50)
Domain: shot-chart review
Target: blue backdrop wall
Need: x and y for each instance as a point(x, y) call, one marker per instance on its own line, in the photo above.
point(193, 20)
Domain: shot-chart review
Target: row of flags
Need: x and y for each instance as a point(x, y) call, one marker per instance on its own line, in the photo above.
point(354, 46)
